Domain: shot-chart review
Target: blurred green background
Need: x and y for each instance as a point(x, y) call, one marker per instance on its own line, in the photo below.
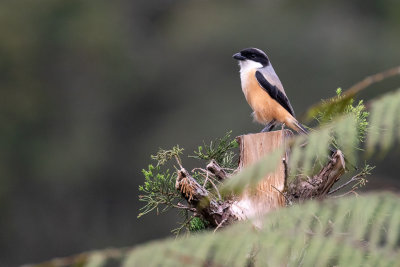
point(89, 89)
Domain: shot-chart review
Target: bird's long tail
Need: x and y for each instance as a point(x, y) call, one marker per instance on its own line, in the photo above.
point(300, 127)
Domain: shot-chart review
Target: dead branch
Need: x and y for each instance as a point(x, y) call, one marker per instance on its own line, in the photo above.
point(217, 213)
point(217, 170)
point(319, 185)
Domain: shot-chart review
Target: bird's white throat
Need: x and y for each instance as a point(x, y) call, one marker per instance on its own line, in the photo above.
point(248, 65)
point(245, 67)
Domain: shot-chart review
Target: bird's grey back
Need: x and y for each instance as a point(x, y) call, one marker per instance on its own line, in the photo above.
point(272, 78)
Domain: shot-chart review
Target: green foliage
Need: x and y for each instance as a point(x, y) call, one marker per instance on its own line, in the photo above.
point(221, 150)
point(328, 109)
point(158, 189)
point(361, 115)
point(345, 106)
point(355, 231)
point(197, 224)
point(163, 156)
point(332, 107)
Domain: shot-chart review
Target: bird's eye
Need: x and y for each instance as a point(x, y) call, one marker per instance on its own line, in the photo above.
point(253, 56)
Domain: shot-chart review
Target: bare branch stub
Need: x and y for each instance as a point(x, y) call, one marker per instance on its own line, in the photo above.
point(189, 187)
point(217, 213)
point(217, 170)
point(319, 185)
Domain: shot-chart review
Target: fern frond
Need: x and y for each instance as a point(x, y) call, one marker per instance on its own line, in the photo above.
point(346, 136)
point(384, 123)
point(356, 231)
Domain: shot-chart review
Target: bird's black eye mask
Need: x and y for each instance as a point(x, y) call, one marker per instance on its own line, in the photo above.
point(255, 55)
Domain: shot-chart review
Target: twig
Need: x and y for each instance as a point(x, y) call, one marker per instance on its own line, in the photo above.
point(286, 167)
point(184, 225)
point(205, 181)
point(287, 200)
point(367, 81)
point(345, 194)
point(181, 206)
point(219, 224)
point(209, 180)
point(216, 189)
point(199, 169)
point(354, 178)
point(178, 160)
point(309, 181)
point(206, 172)
point(229, 169)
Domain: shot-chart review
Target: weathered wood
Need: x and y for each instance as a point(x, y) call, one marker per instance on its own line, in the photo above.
point(268, 194)
point(217, 213)
point(319, 185)
point(217, 170)
point(189, 187)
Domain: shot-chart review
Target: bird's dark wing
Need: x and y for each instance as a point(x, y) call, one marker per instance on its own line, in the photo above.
point(274, 92)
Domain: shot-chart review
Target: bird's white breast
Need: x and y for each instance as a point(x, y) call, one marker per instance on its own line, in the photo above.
point(247, 66)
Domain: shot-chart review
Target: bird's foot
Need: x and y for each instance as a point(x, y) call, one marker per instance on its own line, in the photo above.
point(269, 127)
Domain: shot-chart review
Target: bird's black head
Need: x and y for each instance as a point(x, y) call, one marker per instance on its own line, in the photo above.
point(253, 54)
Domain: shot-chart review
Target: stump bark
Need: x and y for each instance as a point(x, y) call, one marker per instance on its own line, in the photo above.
point(268, 194)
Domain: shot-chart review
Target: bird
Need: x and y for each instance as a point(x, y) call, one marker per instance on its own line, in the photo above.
point(264, 91)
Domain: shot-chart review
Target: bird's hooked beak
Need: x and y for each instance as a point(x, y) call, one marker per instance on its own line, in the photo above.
point(238, 56)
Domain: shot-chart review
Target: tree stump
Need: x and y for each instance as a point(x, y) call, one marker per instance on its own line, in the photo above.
point(271, 193)
point(268, 194)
